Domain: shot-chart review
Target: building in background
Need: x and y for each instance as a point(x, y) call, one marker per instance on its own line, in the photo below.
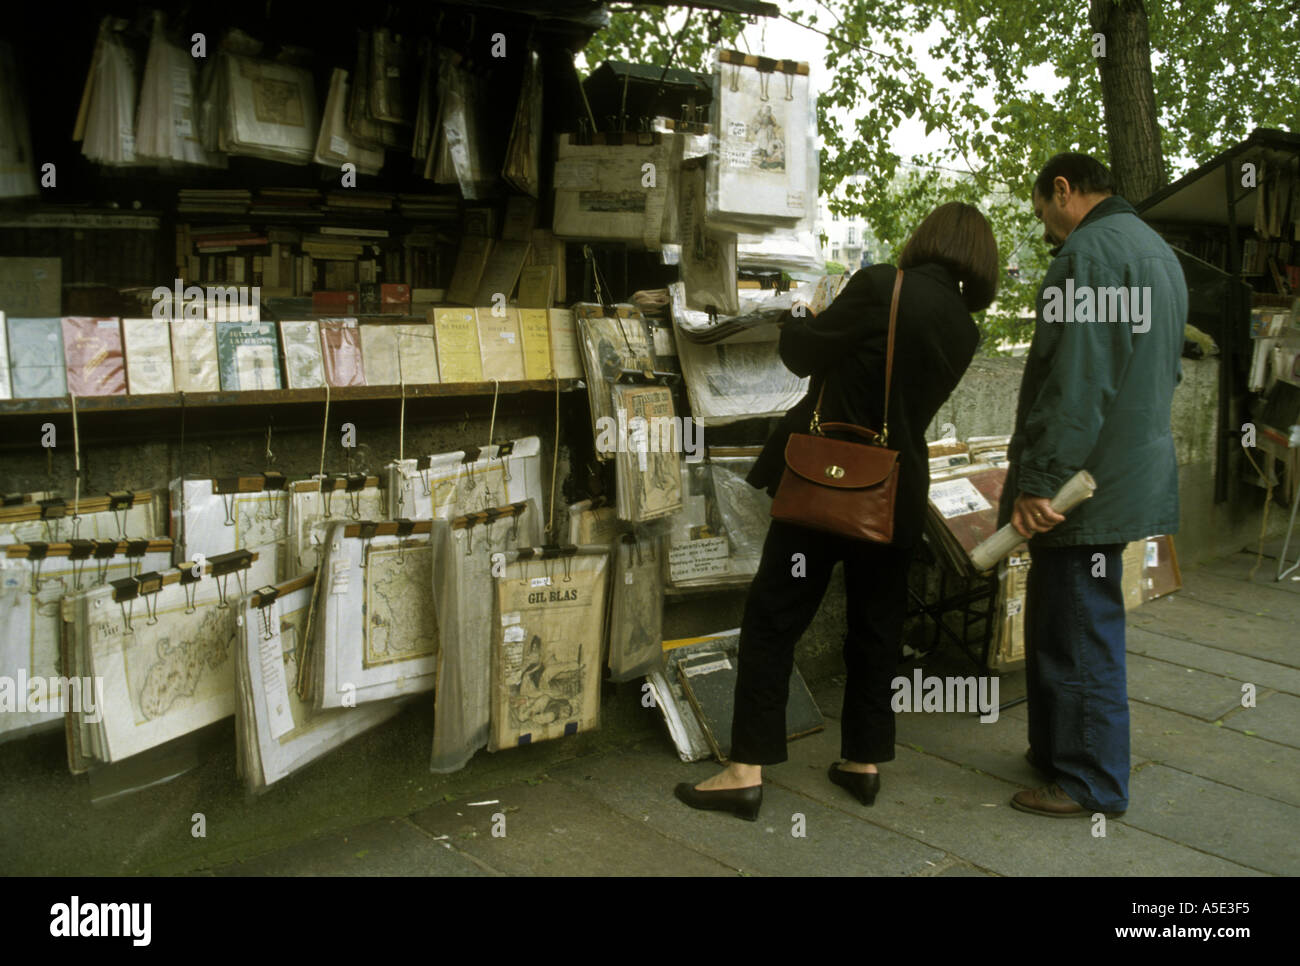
point(847, 238)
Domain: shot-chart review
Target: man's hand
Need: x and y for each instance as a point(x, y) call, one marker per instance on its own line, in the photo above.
point(1033, 514)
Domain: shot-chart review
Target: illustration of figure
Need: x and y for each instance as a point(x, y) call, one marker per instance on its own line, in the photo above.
point(547, 690)
point(769, 140)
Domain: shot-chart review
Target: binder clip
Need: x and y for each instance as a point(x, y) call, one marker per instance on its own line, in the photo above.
point(103, 552)
point(36, 553)
point(191, 574)
point(265, 598)
point(404, 528)
point(119, 502)
point(79, 552)
point(223, 565)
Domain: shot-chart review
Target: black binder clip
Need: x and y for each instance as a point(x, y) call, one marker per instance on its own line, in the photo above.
point(366, 530)
point(353, 485)
point(135, 551)
point(79, 552)
point(148, 586)
point(191, 574)
point(53, 509)
point(36, 553)
point(503, 454)
point(103, 552)
point(266, 596)
point(223, 565)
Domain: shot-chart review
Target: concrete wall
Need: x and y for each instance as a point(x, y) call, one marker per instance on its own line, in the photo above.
point(984, 404)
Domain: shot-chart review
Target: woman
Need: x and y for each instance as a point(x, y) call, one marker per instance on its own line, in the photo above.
point(950, 269)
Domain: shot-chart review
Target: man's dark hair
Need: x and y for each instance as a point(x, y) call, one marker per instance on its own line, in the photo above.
point(1084, 173)
point(958, 236)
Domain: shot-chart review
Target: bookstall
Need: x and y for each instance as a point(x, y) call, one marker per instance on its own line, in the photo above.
point(1235, 222)
point(308, 325)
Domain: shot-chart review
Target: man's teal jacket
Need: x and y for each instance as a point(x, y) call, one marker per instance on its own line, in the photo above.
point(1099, 382)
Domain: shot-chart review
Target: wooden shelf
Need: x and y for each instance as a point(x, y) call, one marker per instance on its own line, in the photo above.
point(269, 397)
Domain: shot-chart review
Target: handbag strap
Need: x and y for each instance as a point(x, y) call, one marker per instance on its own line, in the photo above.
point(883, 435)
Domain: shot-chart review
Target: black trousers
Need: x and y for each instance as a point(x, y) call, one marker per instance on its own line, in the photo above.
point(787, 591)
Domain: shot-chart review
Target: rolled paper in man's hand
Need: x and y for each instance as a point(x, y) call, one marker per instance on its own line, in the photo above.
point(1077, 488)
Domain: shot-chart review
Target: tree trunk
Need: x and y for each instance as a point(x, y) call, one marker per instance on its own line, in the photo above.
point(1137, 162)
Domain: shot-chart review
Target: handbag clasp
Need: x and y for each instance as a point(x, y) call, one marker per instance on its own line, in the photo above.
point(834, 472)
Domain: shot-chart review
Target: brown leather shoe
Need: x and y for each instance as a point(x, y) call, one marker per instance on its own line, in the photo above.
point(1052, 801)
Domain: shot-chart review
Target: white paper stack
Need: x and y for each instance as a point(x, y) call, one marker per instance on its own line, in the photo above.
point(448, 485)
point(743, 378)
point(462, 713)
point(277, 733)
point(165, 656)
point(209, 521)
point(106, 121)
point(335, 146)
point(375, 628)
point(270, 110)
point(51, 519)
point(31, 598)
point(166, 118)
point(313, 510)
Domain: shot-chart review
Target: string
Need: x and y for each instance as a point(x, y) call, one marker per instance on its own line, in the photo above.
point(401, 424)
point(76, 456)
point(555, 461)
point(1263, 523)
point(324, 430)
point(492, 425)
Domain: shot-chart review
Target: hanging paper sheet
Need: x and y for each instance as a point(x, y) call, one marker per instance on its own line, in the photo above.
point(547, 645)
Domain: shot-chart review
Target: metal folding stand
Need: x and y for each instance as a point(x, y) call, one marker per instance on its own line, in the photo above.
point(976, 622)
point(965, 593)
point(1293, 486)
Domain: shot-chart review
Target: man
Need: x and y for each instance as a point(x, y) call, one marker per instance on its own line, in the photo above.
point(1095, 396)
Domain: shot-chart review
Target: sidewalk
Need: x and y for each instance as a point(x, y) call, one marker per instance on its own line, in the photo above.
point(1214, 789)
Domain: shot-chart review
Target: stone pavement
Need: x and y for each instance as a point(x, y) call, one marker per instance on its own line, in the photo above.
point(1214, 789)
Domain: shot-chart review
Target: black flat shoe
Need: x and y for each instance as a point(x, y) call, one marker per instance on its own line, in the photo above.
point(742, 802)
point(863, 785)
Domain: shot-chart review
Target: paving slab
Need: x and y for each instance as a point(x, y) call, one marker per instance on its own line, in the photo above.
point(1237, 594)
point(1275, 717)
point(1238, 567)
point(996, 748)
point(638, 782)
point(1178, 688)
point(1229, 664)
point(1254, 831)
point(1220, 754)
point(387, 847)
point(968, 816)
point(1194, 620)
point(552, 829)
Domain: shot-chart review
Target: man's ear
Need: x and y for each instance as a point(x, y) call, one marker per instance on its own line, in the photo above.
point(1061, 191)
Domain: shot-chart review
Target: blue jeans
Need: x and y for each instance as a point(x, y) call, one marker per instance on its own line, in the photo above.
point(1077, 683)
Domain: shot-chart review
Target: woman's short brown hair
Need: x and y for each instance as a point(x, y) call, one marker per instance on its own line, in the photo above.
point(958, 237)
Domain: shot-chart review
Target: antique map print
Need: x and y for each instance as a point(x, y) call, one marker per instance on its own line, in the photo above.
point(401, 624)
point(184, 649)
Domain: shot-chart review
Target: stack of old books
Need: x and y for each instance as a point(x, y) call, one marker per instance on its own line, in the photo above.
point(965, 489)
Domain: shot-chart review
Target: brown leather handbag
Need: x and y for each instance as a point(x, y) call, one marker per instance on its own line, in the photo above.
point(838, 486)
